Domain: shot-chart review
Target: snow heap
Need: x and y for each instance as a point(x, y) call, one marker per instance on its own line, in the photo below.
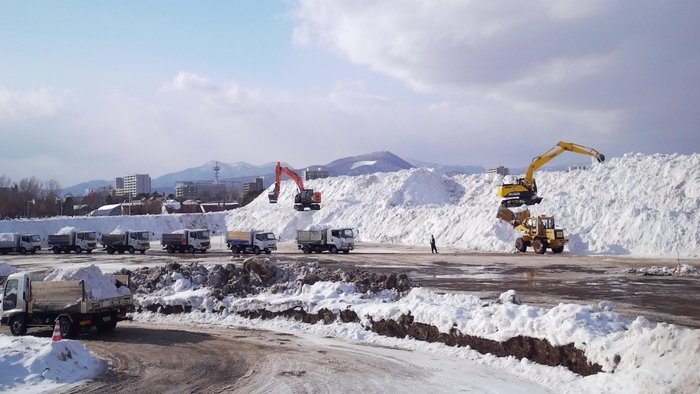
point(31, 364)
point(98, 286)
point(66, 230)
point(6, 269)
point(7, 237)
point(639, 205)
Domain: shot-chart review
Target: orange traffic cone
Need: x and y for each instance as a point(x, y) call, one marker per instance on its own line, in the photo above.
point(56, 332)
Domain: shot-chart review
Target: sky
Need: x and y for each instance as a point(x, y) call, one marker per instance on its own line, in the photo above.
point(98, 90)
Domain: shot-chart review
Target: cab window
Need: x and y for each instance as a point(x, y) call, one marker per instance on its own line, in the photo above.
point(11, 287)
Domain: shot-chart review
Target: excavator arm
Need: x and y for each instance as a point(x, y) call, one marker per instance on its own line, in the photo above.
point(305, 198)
point(524, 191)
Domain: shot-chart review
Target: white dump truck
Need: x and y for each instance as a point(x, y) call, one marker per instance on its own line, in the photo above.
point(76, 241)
point(186, 241)
point(19, 243)
point(128, 241)
point(251, 241)
point(28, 301)
point(331, 239)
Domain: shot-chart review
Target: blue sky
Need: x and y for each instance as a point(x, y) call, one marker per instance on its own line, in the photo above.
point(94, 90)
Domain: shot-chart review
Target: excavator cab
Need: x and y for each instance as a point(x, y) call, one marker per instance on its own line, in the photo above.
point(307, 198)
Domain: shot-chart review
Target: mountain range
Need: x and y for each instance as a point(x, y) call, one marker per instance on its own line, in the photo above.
point(382, 161)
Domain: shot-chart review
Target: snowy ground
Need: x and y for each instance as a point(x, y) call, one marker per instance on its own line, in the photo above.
point(637, 205)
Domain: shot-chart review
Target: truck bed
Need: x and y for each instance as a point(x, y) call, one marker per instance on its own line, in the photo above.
point(238, 237)
point(69, 297)
point(59, 239)
point(173, 239)
point(112, 239)
point(309, 237)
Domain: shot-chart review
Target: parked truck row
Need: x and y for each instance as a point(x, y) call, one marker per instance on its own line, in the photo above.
point(332, 240)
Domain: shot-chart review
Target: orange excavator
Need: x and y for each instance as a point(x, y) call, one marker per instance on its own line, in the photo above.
point(305, 198)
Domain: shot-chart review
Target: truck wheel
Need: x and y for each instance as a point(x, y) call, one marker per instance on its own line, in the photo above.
point(234, 249)
point(18, 325)
point(88, 251)
point(346, 251)
point(191, 249)
point(56, 250)
point(170, 249)
point(558, 250)
point(520, 244)
point(256, 250)
point(78, 250)
point(306, 249)
point(142, 251)
point(131, 250)
point(68, 329)
point(332, 249)
point(539, 246)
point(268, 251)
point(22, 251)
point(110, 250)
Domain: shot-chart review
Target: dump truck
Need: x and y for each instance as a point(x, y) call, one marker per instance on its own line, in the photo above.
point(28, 301)
point(186, 241)
point(128, 241)
point(251, 241)
point(19, 243)
point(75, 241)
point(537, 231)
point(331, 239)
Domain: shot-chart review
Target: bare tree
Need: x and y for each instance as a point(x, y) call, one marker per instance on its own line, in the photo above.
point(5, 181)
point(29, 188)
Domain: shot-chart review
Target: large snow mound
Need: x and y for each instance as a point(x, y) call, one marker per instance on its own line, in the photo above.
point(6, 269)
point(639, 205)
point(98, 286)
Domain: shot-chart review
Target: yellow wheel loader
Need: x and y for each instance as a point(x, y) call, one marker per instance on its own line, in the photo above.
point(537, 231)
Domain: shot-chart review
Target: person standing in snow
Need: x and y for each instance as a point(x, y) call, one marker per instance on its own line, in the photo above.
point(433, 249)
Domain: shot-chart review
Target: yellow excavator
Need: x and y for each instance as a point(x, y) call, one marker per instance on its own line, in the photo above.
point(524, 191)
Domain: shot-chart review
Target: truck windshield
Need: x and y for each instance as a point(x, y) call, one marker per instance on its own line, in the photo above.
point(89, 236)
point(346, 233)
point(35, 238)
point(270, 236)
point(11, 287)
point(203, 234)
point(144, 236)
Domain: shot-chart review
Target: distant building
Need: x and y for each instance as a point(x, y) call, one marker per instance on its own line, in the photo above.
point(133, 184)
point(186, 190)
point(308, 174)
point(253, 187)
point(499, 170)
point(576, 167)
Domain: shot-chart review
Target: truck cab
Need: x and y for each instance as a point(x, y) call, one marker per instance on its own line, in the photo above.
point(30, 242)
point(342, 238)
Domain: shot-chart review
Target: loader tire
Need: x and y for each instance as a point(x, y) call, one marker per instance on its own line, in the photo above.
point(558, 250)
point(539, 246)
point(521, 245)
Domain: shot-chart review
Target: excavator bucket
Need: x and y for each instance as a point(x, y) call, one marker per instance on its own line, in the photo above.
point(272, 197)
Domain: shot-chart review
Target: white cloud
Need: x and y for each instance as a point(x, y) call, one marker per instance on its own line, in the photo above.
point(191, 82)
point(39, 103)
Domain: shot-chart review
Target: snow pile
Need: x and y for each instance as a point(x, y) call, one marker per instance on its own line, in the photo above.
point(30, 364)
point(66, 230)
point(637, 205)
point(679, 270)
point(7, 237)
point(6, 269)
point(98, 286)
point(175, 289)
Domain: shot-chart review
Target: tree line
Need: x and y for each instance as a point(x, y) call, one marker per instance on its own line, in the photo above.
point(29, 197)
